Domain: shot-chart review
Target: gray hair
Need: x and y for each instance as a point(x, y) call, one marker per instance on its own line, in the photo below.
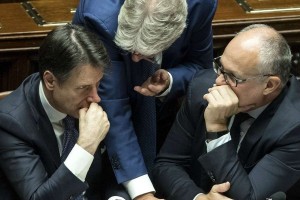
point(275, 54)
point(150, 26)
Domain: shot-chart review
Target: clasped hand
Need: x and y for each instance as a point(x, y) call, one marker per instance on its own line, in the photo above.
point(216, 192)
point(154, 85)
point(222, 103)
point(93, 127)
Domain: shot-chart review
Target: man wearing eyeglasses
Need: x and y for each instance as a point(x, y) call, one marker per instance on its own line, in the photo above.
point(236, 135)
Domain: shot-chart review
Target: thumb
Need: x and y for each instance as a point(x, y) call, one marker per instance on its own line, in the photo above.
point(220, 188)
point(82, 113)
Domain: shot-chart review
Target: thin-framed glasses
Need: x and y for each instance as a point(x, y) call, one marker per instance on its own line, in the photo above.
point(148, 58)
point(230, 79)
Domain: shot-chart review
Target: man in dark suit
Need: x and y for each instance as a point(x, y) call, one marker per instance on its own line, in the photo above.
point(211, 145)
point(173, 35)
point(34, 158)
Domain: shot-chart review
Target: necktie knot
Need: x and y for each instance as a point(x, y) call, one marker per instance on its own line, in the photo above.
point(242, 117)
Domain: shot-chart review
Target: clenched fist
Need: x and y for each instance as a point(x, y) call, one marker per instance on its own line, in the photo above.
point(93, 127)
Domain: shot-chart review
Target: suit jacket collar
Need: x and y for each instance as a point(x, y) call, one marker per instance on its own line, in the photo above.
point(261, 125)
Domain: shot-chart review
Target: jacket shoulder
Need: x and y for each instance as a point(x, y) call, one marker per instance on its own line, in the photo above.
point(203, 80)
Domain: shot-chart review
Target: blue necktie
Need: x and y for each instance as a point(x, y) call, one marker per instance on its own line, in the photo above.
point(145, 118)
point(70, 136)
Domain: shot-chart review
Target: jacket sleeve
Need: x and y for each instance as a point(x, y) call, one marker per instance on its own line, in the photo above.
point(121, 141)
point(24, 170)
point(197, 52)
point(174, 172)
point(276, 171)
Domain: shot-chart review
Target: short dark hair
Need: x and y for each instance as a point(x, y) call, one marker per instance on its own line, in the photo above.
point(70, 46)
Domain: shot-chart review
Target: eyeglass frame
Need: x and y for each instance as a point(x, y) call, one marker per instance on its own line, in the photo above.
point(150, 59)
point(217, 66)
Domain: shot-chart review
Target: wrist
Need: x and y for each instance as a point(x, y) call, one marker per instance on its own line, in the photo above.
point(216, 127)
point(215, 135)
point(144, 196)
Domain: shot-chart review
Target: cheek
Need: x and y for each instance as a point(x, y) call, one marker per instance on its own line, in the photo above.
point(249, 96)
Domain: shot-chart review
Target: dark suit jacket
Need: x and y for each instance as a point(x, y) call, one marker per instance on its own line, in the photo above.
point(30, 166)
point(268, 160)
point(190, 53)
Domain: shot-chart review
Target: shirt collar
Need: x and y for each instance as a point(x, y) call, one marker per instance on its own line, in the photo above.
point(255, 113)
point(54, 115)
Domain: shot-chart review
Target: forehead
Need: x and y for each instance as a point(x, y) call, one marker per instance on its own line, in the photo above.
point(242, 55)
point(85, 74)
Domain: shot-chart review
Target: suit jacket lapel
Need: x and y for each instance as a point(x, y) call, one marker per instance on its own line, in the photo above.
point(258, 128)
point(45, 135)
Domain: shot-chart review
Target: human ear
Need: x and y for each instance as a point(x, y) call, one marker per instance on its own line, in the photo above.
point(273, 84)
point(49, 80)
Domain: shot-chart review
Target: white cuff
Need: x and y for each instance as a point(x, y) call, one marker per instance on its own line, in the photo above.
point(217, 142)
point(79, 162)
point(138, 186)
point(197, 196)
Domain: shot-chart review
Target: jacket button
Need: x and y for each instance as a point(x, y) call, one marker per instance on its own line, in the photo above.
point(211, 176)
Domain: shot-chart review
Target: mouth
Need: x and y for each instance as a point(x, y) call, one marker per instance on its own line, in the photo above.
point(86, 105)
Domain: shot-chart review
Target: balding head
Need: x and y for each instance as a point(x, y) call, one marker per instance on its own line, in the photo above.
point(264, 45)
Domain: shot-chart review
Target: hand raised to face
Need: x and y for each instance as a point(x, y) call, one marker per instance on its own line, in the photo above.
point(222, 104)
point(93, 127)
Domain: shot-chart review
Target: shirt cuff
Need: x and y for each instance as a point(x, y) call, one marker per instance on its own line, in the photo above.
point(217, 142)
point(197, 196)
point(167, 91)
point(138, 186)
point(79, 162)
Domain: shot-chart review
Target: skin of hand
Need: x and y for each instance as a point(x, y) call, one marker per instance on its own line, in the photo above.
point(147, 196)
point(222, 104)
point(214, 193)
point(154, 85)
point(93, 127)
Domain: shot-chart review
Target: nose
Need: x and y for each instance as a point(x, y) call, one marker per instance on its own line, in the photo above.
point(136, 57)
point(94, 97)
point(220, 80)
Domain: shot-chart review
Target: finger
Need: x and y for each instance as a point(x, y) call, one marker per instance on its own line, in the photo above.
point(226, 96)
point(143, 91)
point(209, 97)
point(82, 113)
point(156, 78)
point(220, 188)
point(156, 89)
point(94, 107)
point(165, 76)
point(217, 95)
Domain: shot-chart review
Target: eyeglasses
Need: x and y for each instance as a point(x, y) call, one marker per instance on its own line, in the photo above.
point(148, 58)
point(230, 79)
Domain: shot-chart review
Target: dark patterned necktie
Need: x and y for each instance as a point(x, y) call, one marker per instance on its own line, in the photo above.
point(145, 118)
point(70, 136)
